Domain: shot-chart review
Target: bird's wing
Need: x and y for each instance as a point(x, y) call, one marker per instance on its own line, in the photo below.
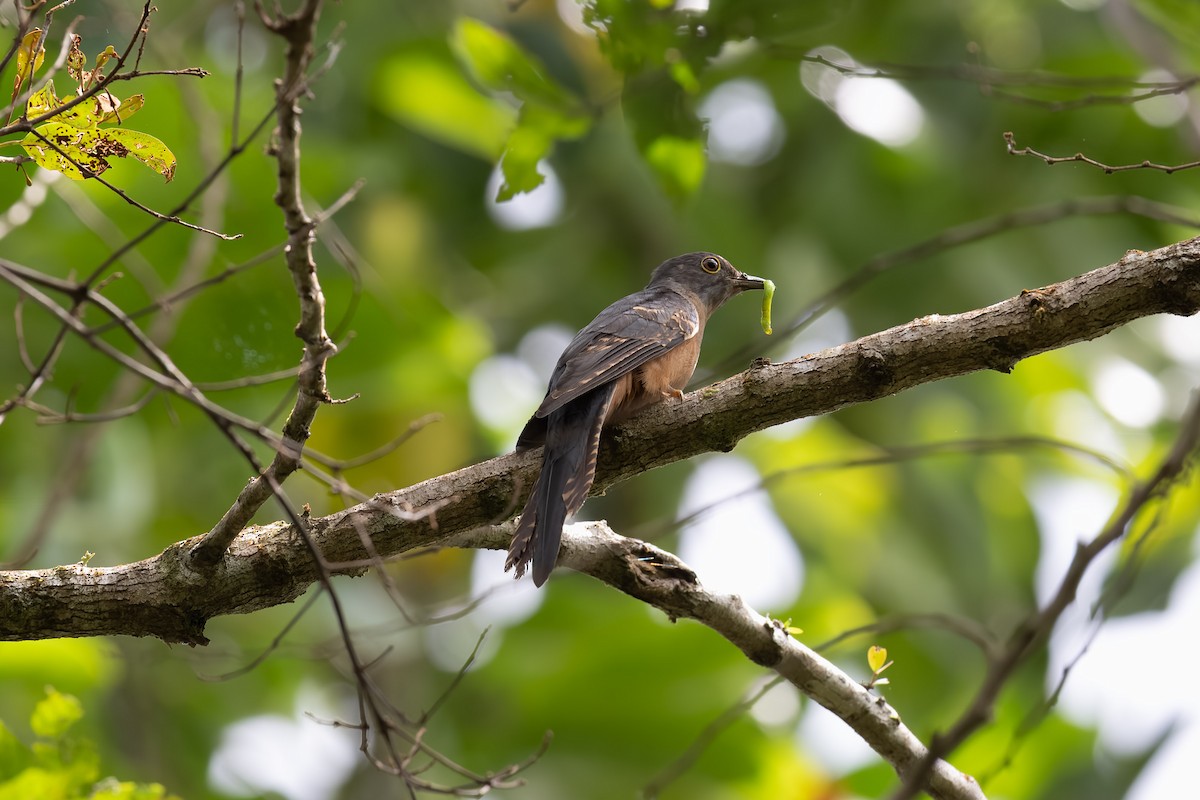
point(622, 337)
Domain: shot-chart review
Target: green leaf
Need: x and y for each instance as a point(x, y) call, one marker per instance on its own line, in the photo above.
point(682, 73)
point(77, 665)
point(430, 94)
point(54, 714)
point(14, 756)
point(71, 142)
point(44, 784)
point(678, 163)
point(1180, 18)
point(537, 130)
point(500, 64)
point(548, 111)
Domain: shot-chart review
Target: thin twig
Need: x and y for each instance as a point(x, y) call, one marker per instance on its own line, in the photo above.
point(1109, 169)
point(670, 773)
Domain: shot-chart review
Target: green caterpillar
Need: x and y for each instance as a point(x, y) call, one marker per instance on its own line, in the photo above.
point(768, 293)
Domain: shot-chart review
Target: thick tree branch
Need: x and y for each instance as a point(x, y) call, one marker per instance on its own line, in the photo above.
point(266, 565)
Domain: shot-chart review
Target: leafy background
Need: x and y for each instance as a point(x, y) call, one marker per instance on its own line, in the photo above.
point(434, 289)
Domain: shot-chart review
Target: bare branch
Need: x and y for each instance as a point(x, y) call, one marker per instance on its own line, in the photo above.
point(1011, 143)
point(989, 80)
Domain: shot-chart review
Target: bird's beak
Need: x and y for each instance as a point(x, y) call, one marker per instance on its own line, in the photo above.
point(744, 281)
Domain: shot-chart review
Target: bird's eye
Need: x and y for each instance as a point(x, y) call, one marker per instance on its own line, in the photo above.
point(710, 265)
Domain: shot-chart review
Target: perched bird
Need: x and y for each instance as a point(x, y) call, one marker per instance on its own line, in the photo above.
point(637, 352)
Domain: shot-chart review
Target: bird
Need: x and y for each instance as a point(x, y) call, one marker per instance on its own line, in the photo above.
point(638, 351)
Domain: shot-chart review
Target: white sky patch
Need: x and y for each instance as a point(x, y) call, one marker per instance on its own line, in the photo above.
point(1180, 338)
point(1128, 393)
point(779, 706)
point(536, 209)
point(1074, 417)
point(740, 546)
point(743, 126)
point(828, 330)
point(1068, 511)
point(879, 108)
point(1171, 772)
point(571, 13)
point(504, 602)
point(509, 601)
point(1164, 110)
point(504, 391)
point(295, 757)
point(831, 743)
point(693, 6)
point(541, 348)
point(1151, 648)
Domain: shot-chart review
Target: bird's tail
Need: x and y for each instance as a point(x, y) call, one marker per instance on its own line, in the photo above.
point(568, 468)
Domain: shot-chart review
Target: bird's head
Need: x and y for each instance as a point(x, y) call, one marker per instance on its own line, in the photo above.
point(706, 275)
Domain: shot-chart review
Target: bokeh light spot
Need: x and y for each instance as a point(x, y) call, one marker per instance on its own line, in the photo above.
point(743, 125)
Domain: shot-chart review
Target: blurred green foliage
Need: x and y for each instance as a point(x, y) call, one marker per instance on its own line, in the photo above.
point(59, 765)
point(425, 281)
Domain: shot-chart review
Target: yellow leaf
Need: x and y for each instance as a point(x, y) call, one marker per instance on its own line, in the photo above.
point(142, 146)
point(42, 101)
point(60, 147)
point(877, 658)
point(127, 108)
point(74, 144)
point(101, 60)
point(30, 55)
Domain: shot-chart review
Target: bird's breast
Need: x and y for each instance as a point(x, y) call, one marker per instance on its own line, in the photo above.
point(655, 380)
